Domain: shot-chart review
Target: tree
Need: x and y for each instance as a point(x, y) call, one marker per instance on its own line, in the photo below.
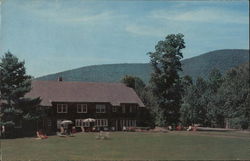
point(165, 80)
point(14, 84)
point(145, 95)
point(214, 112)
point(186, 81)
point(134, 82)
point(193, 109)
point(233, 96)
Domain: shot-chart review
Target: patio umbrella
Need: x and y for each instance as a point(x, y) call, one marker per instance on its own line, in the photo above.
point(89, 120)
point(66, 122)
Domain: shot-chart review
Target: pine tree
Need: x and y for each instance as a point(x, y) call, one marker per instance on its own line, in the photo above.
point(165, 80)
point(14, 84)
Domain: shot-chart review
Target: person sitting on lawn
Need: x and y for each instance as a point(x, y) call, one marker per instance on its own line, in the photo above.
point(189, 128)
point(179, 128)
point(41, 135)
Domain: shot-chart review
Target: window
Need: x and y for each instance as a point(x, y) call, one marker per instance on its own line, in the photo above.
point(100, 109)
point(123, 109)
point(134, 123)
point(82, 108)
point(131, 108)
point(128, 123)
point(62, 108)
point(101, 122)
point(85, 124)
point(114, 109)
point(80, 123)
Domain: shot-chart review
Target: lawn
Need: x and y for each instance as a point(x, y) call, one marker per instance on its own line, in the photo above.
point(132, 146)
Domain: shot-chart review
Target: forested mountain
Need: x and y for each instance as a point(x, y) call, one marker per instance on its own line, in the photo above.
point(196, 66)
point(220, 59)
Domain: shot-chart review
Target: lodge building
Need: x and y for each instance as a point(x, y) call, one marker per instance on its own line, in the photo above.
point(112, 105)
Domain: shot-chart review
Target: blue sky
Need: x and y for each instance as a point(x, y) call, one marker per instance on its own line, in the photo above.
point(57, 35)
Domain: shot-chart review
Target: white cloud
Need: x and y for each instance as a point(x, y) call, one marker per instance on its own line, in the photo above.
point(144, 30)
point(106, 15)
point(184, 20)
point(211, 15)
point(55, 12)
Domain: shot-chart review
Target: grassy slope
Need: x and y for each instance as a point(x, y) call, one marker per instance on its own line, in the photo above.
point(125, 146)
point(196, 66)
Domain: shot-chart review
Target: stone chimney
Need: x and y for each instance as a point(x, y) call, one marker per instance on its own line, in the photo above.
point(60, 79)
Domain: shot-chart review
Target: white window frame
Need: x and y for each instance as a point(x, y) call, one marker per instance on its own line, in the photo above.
point(100, 108)
point(83, 108)
point(81, 123)
point(134, 123)
point(101, 122)
point(130, 123)
point(78, 122)
point(62, 108)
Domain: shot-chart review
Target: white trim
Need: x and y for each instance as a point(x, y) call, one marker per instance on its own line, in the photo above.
point(81, 123)
point(83, 108)
point(101, 122)
point(100, 108)
point(62, 108)
point(128, 123)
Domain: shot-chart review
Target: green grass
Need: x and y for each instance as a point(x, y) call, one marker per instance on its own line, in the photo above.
point(132, 146)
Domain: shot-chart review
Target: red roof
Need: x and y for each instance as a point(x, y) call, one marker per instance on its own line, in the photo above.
point(56, 91)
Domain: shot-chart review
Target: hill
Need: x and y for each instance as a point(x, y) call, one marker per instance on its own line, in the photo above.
point(196, 66)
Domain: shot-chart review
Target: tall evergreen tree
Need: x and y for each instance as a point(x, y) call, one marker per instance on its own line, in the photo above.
point(14, 84)
point(165, 80)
